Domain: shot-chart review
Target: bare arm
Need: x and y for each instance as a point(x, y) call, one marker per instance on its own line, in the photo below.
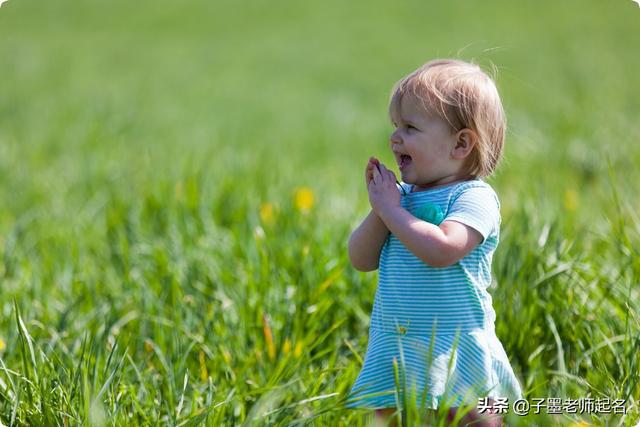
point(437, 246)
point(366, 243)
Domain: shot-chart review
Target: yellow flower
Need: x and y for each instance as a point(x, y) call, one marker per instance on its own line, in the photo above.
point(298, 350)
point(2, 345)
point(304, 199)
point(268, 337)
point(266, 213)
point(203, 367)
point(286, 347)
point(226, 356)
point(570, 200)
point(580, 424)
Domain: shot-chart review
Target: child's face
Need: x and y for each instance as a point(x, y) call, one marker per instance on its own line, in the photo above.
point(423, 145)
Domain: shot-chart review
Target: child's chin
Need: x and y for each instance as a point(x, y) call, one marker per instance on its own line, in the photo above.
point(407, 179)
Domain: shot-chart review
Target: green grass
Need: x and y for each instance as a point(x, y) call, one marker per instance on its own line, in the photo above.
point(139, 283)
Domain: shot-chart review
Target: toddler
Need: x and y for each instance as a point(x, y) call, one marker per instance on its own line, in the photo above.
point(433, 236)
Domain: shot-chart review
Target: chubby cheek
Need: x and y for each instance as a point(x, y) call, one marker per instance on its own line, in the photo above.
point(423, 160)
point(424, 167)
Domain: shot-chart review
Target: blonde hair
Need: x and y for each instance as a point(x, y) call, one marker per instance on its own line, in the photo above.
point(464, 96)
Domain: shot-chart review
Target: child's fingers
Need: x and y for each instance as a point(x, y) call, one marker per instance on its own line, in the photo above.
point(384, 172)
point(368, 173)
point(377, 177)
point(387, 172)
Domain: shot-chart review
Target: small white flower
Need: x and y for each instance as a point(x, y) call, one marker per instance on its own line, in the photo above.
point(258, 233)
point(290, 291)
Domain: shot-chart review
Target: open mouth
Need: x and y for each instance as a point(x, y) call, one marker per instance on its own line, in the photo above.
point(405, 160)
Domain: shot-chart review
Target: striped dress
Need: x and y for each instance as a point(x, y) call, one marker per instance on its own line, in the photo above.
point(432, 330)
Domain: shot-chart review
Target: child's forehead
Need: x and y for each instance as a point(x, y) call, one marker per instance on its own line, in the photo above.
point(410, 107)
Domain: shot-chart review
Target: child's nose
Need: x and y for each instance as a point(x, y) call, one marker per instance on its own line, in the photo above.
point(395, 138)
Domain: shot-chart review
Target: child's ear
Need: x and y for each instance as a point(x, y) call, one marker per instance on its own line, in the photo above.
point(466, 139)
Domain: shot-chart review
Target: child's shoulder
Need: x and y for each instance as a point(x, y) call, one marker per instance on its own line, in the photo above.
point(477, 189)
point(474, 184)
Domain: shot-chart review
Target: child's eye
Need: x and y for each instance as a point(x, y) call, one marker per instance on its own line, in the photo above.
point(409, 127)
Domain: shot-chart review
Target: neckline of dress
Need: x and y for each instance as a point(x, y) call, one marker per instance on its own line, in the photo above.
point(444, 187)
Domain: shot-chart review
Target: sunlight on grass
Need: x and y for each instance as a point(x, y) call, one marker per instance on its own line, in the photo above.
point(178, 183)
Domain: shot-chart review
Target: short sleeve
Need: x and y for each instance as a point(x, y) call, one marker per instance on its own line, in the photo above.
point(477, 207)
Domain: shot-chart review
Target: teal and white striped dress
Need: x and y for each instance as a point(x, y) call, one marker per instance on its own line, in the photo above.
point(413, 299)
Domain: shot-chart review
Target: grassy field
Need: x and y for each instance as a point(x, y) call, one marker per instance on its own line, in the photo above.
point(178, 181)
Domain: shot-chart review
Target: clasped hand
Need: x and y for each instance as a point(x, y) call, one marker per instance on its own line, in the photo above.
point(381, 185)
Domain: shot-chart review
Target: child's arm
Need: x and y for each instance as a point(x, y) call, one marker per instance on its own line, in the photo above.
point(437, 246)
point(366, 243)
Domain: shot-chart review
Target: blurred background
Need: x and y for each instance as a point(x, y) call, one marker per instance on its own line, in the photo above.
point(113, 91)
point(199, 165)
